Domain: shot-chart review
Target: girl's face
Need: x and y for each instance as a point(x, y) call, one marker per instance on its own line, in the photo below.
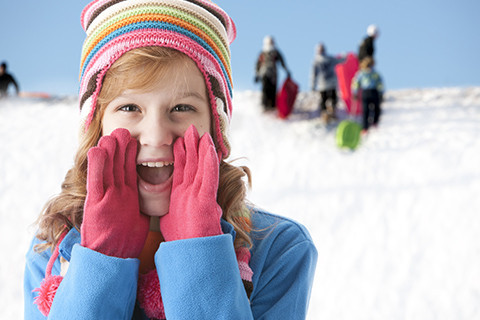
point(156, 117)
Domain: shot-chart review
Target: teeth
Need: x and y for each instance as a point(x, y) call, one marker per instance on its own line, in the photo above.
point(156, 164)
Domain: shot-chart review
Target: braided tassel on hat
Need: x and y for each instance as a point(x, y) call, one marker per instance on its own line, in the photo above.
point(49, 285)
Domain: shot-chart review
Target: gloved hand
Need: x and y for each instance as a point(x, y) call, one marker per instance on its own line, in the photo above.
point(256, 79)
point(194, 211)
point(112, 222)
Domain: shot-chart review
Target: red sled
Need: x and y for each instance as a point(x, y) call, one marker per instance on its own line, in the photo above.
point(286, 98)
point(345, 73)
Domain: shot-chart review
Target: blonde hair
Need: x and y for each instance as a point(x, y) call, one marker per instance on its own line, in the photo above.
point(367, 63)
point(65, 211)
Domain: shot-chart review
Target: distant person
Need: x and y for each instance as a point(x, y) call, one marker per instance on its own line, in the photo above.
point(368, 83)
point(5, 80)
point(324, 80)
point(266, 72)
point(367, 47)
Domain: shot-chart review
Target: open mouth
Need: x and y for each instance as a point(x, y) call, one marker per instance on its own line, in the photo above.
point(155, 173)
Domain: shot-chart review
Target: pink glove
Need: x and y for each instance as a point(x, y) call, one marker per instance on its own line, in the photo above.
point(112, 222)
point(194, 211)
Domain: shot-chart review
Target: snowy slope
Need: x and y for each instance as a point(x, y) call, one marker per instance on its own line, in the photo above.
point(396, 222)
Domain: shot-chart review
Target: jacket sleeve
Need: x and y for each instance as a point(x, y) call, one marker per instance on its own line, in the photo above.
point(380, 88)
point(258, 65)
point(282, 62)
point(313, 76)
point(199, 278)
point(95, 286)
point(341, 59)
point(283, 278)
point(15, 84)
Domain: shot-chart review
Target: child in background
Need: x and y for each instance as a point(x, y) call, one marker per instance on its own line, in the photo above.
point(368, 83)
point(152, 222)
point(367, 46)
point(266, 72)
point(6, 79)
point(324, 80)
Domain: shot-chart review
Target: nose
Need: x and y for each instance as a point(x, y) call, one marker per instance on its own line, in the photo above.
point(156, 132)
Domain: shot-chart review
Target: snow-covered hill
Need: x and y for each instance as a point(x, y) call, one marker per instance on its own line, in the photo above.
point(396, 222)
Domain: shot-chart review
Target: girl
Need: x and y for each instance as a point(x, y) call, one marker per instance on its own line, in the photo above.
point(152, 222)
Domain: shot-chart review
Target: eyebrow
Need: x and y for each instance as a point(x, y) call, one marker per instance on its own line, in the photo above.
point(188, 94)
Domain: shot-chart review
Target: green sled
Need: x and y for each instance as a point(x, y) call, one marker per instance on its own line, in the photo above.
point(348, 134)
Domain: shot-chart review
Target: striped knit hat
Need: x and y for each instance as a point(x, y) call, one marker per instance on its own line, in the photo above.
point(198, 28)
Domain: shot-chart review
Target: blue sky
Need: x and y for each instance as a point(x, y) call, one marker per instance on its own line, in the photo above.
point(423, 43)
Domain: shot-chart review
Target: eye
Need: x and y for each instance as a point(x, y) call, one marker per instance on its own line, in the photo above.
point(183, 108)
point(129, 108)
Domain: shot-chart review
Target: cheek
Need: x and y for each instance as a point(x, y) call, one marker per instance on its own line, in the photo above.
point(202, 129)
point(111, 122)
point(108, 124)
point(107, 129)
point(204, 125)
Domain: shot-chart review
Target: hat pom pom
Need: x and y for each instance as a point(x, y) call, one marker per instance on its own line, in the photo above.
point(149, 295)
point(46, 293)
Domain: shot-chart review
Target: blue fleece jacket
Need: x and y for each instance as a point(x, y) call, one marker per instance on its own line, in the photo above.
point(199, 277)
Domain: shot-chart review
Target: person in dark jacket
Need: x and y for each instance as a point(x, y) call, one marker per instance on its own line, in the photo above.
point(5, 80)
point(266, 72)
point(367, 47)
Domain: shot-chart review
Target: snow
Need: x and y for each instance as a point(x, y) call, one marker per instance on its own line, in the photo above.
point(396, 222)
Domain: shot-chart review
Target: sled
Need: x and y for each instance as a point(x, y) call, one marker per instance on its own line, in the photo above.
point(286, 98)
point(348, 134)
point(345, 73)
point(39, 95)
